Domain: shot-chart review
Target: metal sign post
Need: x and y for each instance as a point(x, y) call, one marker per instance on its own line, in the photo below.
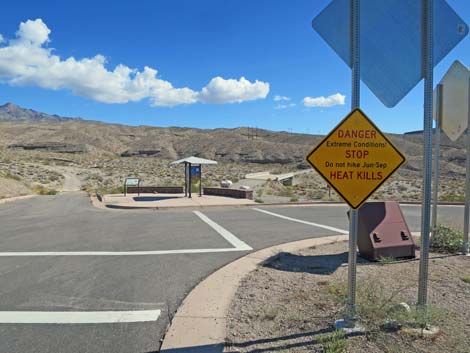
point(351, 315)
point(452, 101)
point(391, 77)
point(355, 54)
point(428, 67)
point(467, 182)
point(437, 155)
point(354, 174)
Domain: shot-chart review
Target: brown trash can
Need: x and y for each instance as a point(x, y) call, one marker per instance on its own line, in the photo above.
point(383, 232)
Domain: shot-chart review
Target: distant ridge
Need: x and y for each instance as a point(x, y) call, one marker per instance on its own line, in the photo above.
point(13, 113)
point(26, 129)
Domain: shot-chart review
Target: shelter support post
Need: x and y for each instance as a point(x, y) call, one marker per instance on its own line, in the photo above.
point(185, 179)
point(200, 180)
point(190, 180)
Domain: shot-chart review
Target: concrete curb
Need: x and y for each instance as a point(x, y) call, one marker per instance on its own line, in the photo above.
point(122, 207)
point(96, 203)
point(280, 204)
point(200, 322)
point(16, 198)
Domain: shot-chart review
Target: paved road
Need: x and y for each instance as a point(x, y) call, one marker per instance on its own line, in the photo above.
point(73, 263)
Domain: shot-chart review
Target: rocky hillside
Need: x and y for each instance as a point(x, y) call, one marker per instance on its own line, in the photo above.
point(26, 129)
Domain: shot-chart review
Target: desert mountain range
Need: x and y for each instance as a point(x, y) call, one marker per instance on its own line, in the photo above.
point(22, 128)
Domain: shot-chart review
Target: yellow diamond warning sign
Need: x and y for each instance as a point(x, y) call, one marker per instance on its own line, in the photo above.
point(355, 158)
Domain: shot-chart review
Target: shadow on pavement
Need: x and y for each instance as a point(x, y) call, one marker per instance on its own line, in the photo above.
point(153, 198)
point(318, 264)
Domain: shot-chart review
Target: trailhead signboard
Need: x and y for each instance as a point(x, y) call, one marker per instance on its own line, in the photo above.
point(355, 158)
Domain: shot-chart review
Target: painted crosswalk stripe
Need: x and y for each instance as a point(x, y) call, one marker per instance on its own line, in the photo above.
point(333, 229)
point(232, 239)
point(77, 317)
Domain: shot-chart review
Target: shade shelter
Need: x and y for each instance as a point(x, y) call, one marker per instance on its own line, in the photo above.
point(192, 169)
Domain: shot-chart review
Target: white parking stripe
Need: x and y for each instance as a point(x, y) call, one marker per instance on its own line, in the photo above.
point(341, 231)
point(77, 317)
point(116, 253)
point(232, 239)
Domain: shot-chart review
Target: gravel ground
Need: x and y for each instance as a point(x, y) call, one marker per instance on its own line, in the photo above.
point(290, 303)
point(11, 188)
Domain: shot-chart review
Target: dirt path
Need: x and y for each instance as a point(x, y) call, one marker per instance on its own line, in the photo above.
point(71, 180)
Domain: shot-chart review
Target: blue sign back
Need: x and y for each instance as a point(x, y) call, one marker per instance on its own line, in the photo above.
point(391, 41)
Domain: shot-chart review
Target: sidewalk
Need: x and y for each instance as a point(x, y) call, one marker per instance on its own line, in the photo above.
point(200, 322)
point(16, 198)
point(158, 201)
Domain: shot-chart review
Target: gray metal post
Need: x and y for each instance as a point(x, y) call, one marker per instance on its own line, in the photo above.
point(428, 65)
point(200, 179)
point(355, 103)
point(467, 183)
point(190, 181)
point(437, 155)
point(185, 179)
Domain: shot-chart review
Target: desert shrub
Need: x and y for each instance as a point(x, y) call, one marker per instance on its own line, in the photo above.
point(110, 190)
point(41, 190)
point(315, 194)
point(334, 343)
point(286, 192)
point(447, 240)
point(452, 197)
point(269, 313)
point(12, 176)
point(194, 188)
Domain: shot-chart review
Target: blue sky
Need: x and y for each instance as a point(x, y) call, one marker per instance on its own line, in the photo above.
point(201, 50)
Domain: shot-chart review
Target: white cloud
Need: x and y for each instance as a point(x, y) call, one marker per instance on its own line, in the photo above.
point(27, 61)
point(281, 98)
point(330, 101)
point(220, 90)
point(1, 39)
point(33, 32)
point(285, 106)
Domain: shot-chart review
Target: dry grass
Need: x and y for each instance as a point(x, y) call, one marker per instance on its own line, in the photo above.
point(309, 291)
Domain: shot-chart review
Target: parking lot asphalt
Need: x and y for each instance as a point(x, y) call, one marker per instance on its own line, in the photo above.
point(74, 278)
